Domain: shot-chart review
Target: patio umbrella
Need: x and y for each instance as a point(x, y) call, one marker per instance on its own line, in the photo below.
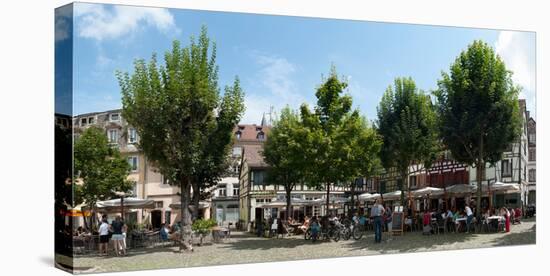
point(202, 205)
point(392, 195)
point(369, 197)
point(461, 189)
point(427, 191)
point(130, 202)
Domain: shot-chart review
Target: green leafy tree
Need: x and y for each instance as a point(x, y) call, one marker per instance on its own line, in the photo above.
point(284, 153)
point(322, 126)
point(359, 149)
point(175, 108)
point(478, 109)
point(408, 126)
point(99, 168)
point(216, 144)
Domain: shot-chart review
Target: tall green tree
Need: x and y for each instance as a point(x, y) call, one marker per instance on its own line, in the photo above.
point(359, 149)
point(174, 108)
point(322, 126)
point(216, 144)
point(478, 109)
point(100, 169)
point(407, 123)
point(284, 153)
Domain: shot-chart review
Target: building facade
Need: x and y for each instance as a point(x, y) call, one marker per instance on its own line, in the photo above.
point(148, 183)
point(532, 160)
point(512, 168)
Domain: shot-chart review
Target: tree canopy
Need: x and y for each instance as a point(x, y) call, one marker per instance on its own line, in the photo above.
point(407, 124)
point(184, 124)
point(99, 167)
point(478, 108)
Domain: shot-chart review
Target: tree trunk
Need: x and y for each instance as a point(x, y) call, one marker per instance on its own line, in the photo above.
point(196, 200)
point(185, 242)
point(480, 165)
point(328, 198)
point(288, 202)
point(352, 190)
point(404, 176)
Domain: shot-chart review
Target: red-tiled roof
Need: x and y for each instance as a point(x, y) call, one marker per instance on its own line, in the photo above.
point(250, 132)
point(253, 156)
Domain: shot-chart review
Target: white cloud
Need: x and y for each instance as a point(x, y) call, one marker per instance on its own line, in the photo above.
point(274, 87)
point(517, 49)
point(62, 22)
point(95, 21)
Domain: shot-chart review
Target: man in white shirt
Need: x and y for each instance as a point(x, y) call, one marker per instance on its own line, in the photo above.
point(469, 217)
point(376, 213)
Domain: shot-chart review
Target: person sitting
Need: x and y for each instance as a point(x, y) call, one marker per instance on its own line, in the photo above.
point(517, 215)
point(281, 229)
point(426, 222)
point(303, 228)
point(164, 232)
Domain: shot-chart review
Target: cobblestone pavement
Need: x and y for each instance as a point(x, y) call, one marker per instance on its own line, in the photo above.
point(246, 248)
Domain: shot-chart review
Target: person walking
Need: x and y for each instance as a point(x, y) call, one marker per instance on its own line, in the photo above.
point(103, 236)
point(377, 212)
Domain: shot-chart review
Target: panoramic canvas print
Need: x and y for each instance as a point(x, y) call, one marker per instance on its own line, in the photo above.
point(191, 138)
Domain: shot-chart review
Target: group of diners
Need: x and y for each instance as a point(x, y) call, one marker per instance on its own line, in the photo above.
point(464, 220)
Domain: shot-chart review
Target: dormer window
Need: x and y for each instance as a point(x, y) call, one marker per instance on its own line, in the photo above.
point(238, 135)
point(260, 136)
point(258, 128)
point(83, 122)
point(114, 117)
point(91, 120)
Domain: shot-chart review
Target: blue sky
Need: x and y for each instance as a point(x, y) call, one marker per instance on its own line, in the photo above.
point(280, 60)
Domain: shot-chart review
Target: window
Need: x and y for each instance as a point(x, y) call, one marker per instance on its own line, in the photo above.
point(238, 135)
point(132, 136)
point(258, 177)
point(83, 122)
point(113, 136)
point(532, 175)
point(133, 161)
point(532, 154)
point(260, 136)
point(167, 216)
point(412, 181)
point(506, 168)
point(237, 151)
point(91, 120)
point(134, 189)
point(235, 189)
point(222, 190)
point(114, 117)
point(159, 204)
point(165, 180)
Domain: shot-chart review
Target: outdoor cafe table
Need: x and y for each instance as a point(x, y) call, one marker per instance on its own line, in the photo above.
point(458, 221)
point(494, 220)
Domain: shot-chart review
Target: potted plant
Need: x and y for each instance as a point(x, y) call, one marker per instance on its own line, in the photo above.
point(203, 227)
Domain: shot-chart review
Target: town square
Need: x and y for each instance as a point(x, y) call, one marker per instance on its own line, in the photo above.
point(222, 141)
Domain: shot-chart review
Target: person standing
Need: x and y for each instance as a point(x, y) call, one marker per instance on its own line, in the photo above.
point(469, 217)
point(118, 237)
point(376, 213)
point(103, 236)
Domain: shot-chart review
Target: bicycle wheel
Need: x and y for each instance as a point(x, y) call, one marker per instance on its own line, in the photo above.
point(335, 235)
point(307, 235)
point(357, 233)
